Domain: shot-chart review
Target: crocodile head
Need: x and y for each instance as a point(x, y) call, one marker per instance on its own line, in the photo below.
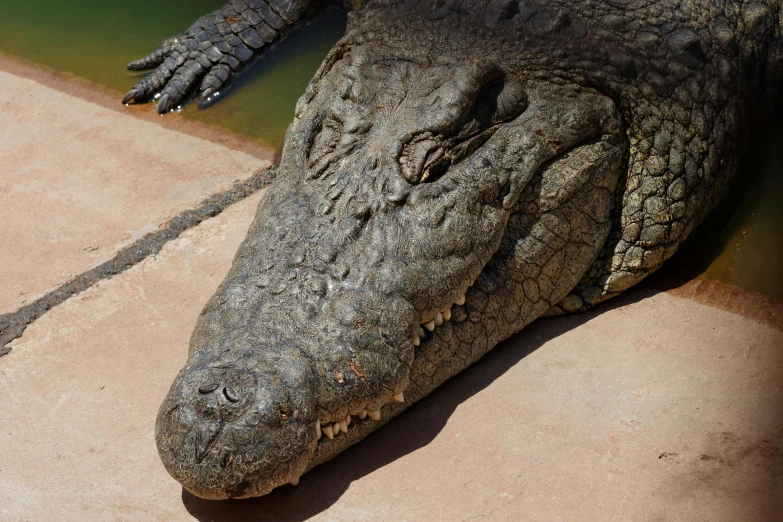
point(455, 170)
point(424, 210)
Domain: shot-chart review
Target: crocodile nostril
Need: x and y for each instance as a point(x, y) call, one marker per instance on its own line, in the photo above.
point(207, 388)
point(230, 394)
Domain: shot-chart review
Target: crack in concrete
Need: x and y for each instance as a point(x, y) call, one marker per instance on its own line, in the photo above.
point(518, 493)
point(13, 325)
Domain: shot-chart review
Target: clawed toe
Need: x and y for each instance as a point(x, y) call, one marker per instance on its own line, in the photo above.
point(130, 97)
point(163, 104)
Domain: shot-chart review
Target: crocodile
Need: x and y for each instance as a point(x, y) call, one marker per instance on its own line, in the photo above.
point(455, 170)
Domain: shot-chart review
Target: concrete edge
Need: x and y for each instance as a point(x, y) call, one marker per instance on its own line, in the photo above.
point(13, 324)
point(730, 298)
point(109, 98)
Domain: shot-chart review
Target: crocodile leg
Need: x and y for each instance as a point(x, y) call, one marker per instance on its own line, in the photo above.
point(213, 50)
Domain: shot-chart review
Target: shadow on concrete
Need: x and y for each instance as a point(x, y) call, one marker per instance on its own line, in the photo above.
point(321, 487)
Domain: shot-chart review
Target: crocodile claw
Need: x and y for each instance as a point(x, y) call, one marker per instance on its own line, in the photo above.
point(130, 97)
point(205, 100)
point(163, 104)
point(178, 75)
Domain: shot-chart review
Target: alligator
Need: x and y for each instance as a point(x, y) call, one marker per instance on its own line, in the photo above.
point(455, 170)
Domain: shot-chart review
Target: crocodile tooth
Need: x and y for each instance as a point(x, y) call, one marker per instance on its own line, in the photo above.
point(348, 420)
point(343, 426)
point(447, 314)
point(328, 432)
point(397, 398)
point(336, 428)
point(318, 427)
point(421, 333)
point(460, 300)
point(416, 340)
point(430, 325)
point(295, 482)
point(375, 415)
point(438, 319)
point(363, 415)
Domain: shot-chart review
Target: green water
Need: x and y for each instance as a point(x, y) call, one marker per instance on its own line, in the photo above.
point(740, 243)
point(95, 39)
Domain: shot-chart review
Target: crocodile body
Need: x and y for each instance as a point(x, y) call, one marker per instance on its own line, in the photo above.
point(455, 170)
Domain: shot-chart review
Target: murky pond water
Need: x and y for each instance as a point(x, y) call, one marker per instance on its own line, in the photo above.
point(741, 243)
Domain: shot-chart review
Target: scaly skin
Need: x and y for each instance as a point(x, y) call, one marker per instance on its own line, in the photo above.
point(455, 170)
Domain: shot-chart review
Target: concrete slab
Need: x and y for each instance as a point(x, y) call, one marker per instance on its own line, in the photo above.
point(79, 181)
point(77, 443)
point(653, 407)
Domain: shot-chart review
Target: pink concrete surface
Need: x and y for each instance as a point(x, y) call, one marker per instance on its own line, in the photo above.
point(79, 181)
point(650, 407)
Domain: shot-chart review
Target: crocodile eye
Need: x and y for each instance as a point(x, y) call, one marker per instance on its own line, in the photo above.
point(418, 156)
point(323, 143)
point(325, 140)
point(428, 156)
point(499, 101)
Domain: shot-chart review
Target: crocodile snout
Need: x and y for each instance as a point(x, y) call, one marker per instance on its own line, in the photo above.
point(238, 429)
